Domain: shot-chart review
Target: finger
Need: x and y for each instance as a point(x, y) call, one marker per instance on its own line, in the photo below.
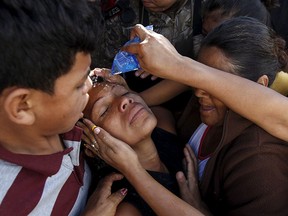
point(104, 139)
point(88, 135)
point(118, 196)
point(89, 124)
point(140, 31)
point(93, 150)
point(133, 48)
point(106, 183)
point(89, 153)
point(181, 179)
point(188, 161)
point(154, 78)
point(103, 72)
point(182, 183)
point(184, 165)
point(103, 189)
point(138, 73)
point(115, 152)
point(192, 157)
point(191, 170)
point(144, 75)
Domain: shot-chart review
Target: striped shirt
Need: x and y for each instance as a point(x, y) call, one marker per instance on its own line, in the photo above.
point(55, 184)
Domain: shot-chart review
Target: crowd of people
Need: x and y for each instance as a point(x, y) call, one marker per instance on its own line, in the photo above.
point(76, 141)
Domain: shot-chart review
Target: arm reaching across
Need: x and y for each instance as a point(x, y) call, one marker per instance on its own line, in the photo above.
point(162, 92)
point(157, 56)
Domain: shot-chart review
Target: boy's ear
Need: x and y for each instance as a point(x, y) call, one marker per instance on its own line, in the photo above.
point(18, 106)
point(263, 80)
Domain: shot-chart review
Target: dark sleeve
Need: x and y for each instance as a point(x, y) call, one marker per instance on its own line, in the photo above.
point(254, 180)
point(169, 149)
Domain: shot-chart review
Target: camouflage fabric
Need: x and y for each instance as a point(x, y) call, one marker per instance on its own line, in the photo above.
point(176, 24)
point(115, 35)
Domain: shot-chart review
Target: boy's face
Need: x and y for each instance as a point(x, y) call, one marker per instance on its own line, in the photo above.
point(59, 112)
point(121, 112)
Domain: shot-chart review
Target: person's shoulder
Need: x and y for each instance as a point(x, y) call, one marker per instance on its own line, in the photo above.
point(240, 133)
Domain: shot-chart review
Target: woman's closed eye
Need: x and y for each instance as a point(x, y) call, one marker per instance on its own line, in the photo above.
point(104, 111)
point(105, 108)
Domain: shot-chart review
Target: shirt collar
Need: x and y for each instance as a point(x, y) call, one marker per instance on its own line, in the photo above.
point(48, 164)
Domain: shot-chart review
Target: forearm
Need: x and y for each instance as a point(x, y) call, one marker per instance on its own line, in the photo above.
point(162, 201)
point(260, 104)
point(162, 92)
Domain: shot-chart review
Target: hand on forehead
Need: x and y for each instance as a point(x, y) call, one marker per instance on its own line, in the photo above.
point(104, 75)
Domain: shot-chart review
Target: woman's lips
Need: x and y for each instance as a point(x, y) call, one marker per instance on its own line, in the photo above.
point(206, 108)
point(135, 113)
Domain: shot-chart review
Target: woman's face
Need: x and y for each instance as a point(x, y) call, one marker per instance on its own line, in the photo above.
point(158, 5)
point(120, 112)
point(212, 110)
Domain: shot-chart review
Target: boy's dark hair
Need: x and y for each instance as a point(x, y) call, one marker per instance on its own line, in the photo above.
point(250, 46)
point(258, 9)
point(39, 40)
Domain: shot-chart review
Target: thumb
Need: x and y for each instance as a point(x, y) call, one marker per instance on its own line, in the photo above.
point(182, 182)
point(118, 196)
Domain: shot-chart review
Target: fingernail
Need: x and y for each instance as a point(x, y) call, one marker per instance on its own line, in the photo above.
point(97, 130)
point(123, 191)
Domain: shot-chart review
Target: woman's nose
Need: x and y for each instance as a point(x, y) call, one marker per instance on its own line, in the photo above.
point(200, 93)
point(124, 103)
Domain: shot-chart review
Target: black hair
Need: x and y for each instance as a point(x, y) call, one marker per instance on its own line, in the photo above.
point(258, 9)
point(251, 47)
point(39, 40)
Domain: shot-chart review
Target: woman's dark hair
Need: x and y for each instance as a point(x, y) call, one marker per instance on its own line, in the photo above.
point(250, 46)
point(257, 9)
point(39, 40)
